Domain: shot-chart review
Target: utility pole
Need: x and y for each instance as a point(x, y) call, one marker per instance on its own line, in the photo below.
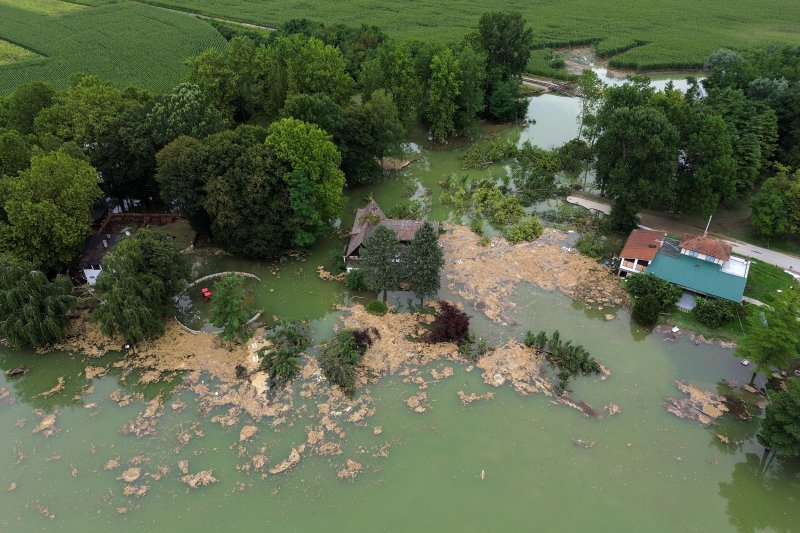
point(705, 233)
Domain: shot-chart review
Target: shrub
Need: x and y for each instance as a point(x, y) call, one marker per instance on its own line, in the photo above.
point(451, 324)
point(716, 313)
point(411, 210)
point(376, 308)
point(476, 225)
point(666, 293)
point(485, 240)
point(228, 311)
point(529, 229)
point(355, 281)
point(592, 245)
point(340, 357)
point(646, 311)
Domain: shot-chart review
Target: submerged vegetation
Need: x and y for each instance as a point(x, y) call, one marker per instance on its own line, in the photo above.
point(282, 358)
point(340, 357)
point(571, 359)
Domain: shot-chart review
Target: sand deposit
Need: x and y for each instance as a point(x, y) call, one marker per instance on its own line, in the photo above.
point(701, 406)
point(486, 276)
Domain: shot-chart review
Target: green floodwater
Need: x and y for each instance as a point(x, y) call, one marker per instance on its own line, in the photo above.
point(647, 470)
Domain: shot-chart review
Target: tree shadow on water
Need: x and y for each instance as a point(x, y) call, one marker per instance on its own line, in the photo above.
point(763, 496)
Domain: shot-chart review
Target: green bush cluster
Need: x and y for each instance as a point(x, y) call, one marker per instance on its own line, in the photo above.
point(355, 281)
point(528, 229)
point(481, 155)
point(716, 313)
point(282, 359)
point(341, 356)
point(592, 245)
point(666, 294)
point(376, 307)
point(646, 310)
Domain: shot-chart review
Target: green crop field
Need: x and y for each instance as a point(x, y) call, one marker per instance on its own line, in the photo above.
point(124, 42)
point(11, 53)
point(638, 33)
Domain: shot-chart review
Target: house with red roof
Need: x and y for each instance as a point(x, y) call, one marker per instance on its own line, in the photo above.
point(640, 249)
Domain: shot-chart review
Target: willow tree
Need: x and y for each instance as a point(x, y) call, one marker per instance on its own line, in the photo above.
point(33, 310)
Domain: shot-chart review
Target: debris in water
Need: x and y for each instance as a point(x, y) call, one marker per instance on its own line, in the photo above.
point(418, 402)
point(183, 466)
point(73, 471)
point(130, 475)
point(200, 479)
point(135, 490)
point(59, 386)
point(12, 487)
point(446, 372)
point(45, 512)
point(145, 423)
point(247, 432)
point(20, 423)
point(581, 443)
point(95, 371)
point(350, 471)
point(612, 409)
point(483, 474)
point(19, 371)
point(377, 430)
point(700, 405)
point(467, 399)
point(47, 426)
point(291, 462)
point(723, 438)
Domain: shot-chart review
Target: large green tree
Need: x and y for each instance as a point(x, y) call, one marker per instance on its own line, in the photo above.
point(19, 109)
point(15, 152)
point(181, 175)
point(315, 67)
point(444, 87)
point(776, 207)
point(380, 260)
point(228, 310)
point(140, 276)
point(423, 263)
point(780, 429)
point(636, 157)
point(33, 310)
point(507, 43)
point(307, 149)
point(772, 339)
point(185, 111)
point(47, 209)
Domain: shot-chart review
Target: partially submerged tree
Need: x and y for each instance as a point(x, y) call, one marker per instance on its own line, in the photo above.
point(341, 356)
point(423, 263)
point(773, 334)
point(140, 277)
point(780, 429)
point(33, 310)
point(282, 358)
point(450, 324)
point(228, 310)
point(380, 260)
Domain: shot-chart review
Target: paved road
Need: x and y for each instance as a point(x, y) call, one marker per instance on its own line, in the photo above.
point(655, 220)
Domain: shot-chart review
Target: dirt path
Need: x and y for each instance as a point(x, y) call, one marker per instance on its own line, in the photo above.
point(207, 17)
point(670, 224)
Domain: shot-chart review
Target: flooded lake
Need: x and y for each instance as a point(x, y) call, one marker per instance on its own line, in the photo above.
point(511, 463)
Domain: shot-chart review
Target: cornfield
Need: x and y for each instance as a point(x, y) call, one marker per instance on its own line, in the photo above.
point(126, 43)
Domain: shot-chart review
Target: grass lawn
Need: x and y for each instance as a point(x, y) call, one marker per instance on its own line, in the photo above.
point(125, 42)
point(652, 34)
point(688, 321)
point(764, 281)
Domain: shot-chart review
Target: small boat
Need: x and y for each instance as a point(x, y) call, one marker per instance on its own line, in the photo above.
point(19, 371)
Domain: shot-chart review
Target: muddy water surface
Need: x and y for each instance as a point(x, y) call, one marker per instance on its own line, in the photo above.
point(509, 462)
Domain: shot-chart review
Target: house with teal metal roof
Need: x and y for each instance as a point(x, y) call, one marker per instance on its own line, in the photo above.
point(689, 263)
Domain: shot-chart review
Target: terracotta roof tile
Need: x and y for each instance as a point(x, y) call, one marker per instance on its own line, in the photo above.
point(707, 246)
point(642, 244)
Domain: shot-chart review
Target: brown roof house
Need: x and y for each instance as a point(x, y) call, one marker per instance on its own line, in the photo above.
point(367, 219)
point(640, 249)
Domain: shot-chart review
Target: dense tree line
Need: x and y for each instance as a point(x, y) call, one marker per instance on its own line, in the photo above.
point(692, 152)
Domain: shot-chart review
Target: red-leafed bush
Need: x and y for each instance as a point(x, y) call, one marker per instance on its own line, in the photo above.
point(450, 325)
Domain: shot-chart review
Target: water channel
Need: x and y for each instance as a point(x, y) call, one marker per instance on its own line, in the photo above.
point(647, 469)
